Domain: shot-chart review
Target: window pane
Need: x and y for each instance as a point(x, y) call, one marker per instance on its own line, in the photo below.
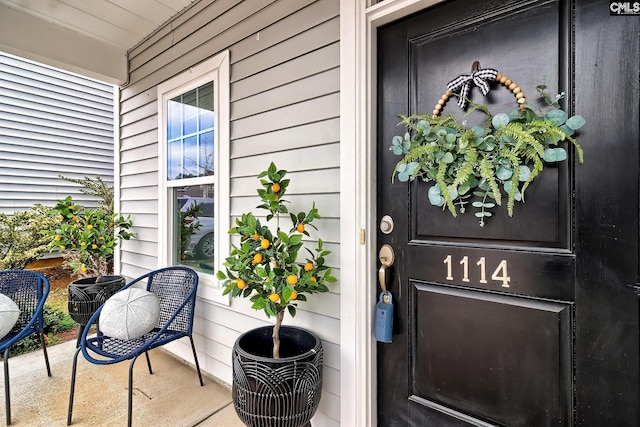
point(174, 124)
point(193, 227)
point(205, 105)
point(174, 161)
point(206, 154)
point(190, 120)
point(190, 130)
point(190, 157)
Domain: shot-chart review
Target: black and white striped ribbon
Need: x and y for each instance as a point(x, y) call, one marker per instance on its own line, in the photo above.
point(480, 78)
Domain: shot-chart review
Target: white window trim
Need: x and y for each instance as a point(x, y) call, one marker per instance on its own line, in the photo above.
point(216, 69)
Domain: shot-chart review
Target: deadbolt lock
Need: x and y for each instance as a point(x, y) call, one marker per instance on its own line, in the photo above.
point(386, 224)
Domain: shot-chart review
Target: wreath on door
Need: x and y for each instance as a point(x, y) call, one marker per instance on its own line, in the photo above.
point(480, 166)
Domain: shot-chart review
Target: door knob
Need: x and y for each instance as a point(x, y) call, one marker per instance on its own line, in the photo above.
point(387, 258)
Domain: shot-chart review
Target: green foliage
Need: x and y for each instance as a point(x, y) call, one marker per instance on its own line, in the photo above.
point(20, 239)
point(189, 224)
point(265, 266)
point(55, 321)
point(95, 187)
point(86, 237)
point(486, 163)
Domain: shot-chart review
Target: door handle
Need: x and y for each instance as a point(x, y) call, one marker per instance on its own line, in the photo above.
point(387, 258)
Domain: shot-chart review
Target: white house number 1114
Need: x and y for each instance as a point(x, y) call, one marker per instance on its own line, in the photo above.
point(500, 274)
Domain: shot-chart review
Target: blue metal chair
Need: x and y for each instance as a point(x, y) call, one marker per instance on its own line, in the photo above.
point(28, 290)
point(175, 288)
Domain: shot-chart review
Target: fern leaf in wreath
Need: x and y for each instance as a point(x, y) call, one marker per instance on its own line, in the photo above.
point(512, 156)
point(466, 169)
point(487, 171)
point(537, 168)
point(444, 188)
point(523, 135)
point(446, 121)
point(578, 148)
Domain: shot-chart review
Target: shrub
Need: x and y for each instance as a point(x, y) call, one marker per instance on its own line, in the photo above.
point(95, 187)
point(21, 241)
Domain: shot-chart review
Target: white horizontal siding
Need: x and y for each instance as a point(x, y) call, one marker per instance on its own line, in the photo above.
point(284, 108)
point(51, 123)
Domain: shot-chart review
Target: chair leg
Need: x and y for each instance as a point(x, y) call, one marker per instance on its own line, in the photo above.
point(44, 350)
point(146, 353)
point(73, 385)
point(195, 357)
point(7, 392)
point(130, 402)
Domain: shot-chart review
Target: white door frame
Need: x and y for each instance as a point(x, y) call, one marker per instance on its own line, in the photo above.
point(359, 20)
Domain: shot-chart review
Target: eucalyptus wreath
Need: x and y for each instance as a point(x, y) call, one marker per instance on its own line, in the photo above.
point(479, 165)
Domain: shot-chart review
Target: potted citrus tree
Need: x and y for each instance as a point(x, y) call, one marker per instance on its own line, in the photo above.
point(87, 237)
point(277, 370)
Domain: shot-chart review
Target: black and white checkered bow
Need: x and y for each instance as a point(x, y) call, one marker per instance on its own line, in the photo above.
point(480, 78)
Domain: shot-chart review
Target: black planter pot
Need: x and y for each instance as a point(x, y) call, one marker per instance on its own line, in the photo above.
point(85, 295)
point(281, 392)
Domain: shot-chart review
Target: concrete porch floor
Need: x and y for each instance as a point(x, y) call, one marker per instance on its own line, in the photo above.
point(172, 396)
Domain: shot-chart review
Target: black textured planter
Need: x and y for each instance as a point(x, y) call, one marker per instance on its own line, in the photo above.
point(281, 392)
point(85, 295)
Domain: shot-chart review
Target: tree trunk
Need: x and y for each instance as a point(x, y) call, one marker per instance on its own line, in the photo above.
point(276, 335)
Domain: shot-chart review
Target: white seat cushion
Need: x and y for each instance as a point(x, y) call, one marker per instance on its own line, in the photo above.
point(9, 313)
point(129, 314)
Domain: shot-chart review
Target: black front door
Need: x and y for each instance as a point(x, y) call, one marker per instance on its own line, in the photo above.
point(530, 320)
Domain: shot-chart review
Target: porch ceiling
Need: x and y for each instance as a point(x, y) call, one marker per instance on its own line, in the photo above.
point(89, 37)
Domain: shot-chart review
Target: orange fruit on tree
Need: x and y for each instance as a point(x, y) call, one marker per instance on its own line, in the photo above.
point(300, 228)
point(89, 227)
point(274, 298)
point(308, 266)
point(241, 283)
point(256, 236)
point(292, 279)
point(313, 279)
point(265, 243)
point(293, 296)
point(257, 259)
point(275, 187)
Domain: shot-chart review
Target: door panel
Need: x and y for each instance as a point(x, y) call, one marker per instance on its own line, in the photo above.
point(472, 349)
point(504, 43)
point(500, 325)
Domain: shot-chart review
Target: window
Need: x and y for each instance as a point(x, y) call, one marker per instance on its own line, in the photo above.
point(193, 117)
